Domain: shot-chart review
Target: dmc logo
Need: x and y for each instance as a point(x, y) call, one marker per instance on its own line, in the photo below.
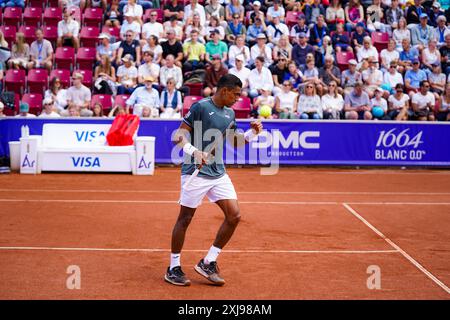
point(294, 140)
point(143, 164)
point(27, 163)
point(86, 162)
point(400, 140)
point(88, 136)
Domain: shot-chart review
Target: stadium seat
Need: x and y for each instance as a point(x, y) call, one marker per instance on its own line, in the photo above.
point(380, 40)
point(242, 107)
point(104, 99)
point(53, 3)
point(39, 3)
point(121, 100)
point(195, 89)
point(87, 77)
point(12, 16)
point(189, 101)
point(114, 32)
point(85, 58)
point(32, 16)
point(37, 80)
point(9, 32)
point(93, 17)
point(65, 58)
point(291, 18)
point(15, 80)
point(29, 33)
point(52, 16)
point(51, 34)
point(342, 59)
point(34, 100)
point(89, 36)
point(63, 75)
point(76, 14)
point(160, 13)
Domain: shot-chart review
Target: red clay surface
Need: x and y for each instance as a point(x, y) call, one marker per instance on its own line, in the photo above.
point(296, 239)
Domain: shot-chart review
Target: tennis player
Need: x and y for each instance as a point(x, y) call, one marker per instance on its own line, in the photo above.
point(210, 115)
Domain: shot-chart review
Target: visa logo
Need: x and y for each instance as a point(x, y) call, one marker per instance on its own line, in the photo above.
point(86, 162)
point(27, 162)
point(143, 164)
point(88, 136)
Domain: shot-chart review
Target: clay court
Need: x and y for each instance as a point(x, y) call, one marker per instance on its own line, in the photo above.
point(306, 233)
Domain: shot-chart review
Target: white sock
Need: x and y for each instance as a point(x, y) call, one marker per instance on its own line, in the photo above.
point(212, 255)
point(175, 260)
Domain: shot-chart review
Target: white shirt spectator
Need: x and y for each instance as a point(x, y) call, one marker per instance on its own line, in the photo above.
point(143, 96)
point(259, 80)
point(393, 79)
point(234, 51)
point(397, 104)
point(271, 31)
point(149, 70)
point(389, 56)
point(372, 76)
point(242, 74)
point(276, 13)
point(136, 10)
point(152, 29)
point(52, 114)
point(175, 73)
point(379, 103)
point(255, 52)
point(72, 27)
point(133, 26)
point(127, 73)
point(189, 12)
point(29, 115)
point(423, 100)
point(287, 100)
point(79, 96)
point(332, 103)
point(364, 53)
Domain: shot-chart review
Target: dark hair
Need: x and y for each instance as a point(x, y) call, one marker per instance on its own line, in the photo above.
point(423, 82)
point(229, 81)
point(260, 58)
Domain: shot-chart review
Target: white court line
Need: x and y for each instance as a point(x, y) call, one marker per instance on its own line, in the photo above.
point(396, 247)
point(239, 192)
point(198, 250)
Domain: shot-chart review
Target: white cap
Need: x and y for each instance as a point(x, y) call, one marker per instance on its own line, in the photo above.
point(47, 101)
point(257, 3)
point(2, 106)
point(240, 57)
point(352, 61)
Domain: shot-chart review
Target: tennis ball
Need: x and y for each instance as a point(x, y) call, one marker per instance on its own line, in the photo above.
point(377, 112)
point(265, 111)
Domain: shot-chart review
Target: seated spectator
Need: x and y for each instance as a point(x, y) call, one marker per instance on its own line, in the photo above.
point(68, 30)
point(170, 101)
point(350, 77)
point(334, 15)
point(435, 13)
point(293, 75)
point(340, 40)
point(354, 15)
point(309, 105)
point(254, 30)
point(388, 55)
point(234, 7)
point(79, 96)
point(20, 53)
point(261, 49)
point(239, 48)
point(174, 8)
point(286, 102)
point(57, 94)
point(313, 11)
point(48, 109)
point(422, 103)
point(153, 27)
point(276, 11)
point(401, 33)
point(216, 47)
point(441, 31)
point(375, 18)
point(398, 104)
point(175, 26)
point(130, 25)
point(407, 55)
point(155, 48)
point(24, 109)
point(12, 3)
point(367, 51)
point(145, 96)
point(131, 7)
point(358, 36)
point(97, 110)
point(431, 54)
point(357, 104)
point(265, 99)
point(329, 72)
point(413, 13)
point(213, 73)
point(445, 55)
point(41, 52)
point(414, 78)
point(393, 14)
point(326, 49)
point(112, 15)
point(148, 68)
point(310, 73)
point(301, 50)
point(283, 48)
point(214, 24)
point(105, 77)
point(194, 8)
point(278, 70)
point(259, 77)
point(235, 28)
point(372, 77)
point(194, 52)
point(422, 33)
point(276, 30)
point(300, 27)
point(172, 47)
point(117, 110)
point(195, 24)
point(127, 75)
point(172, 71)
point(129, 47)
point(318, 31)
point(215, 9)
point(444, 108)
point(379, 101)
point(332, 102)
point(437, 80)
point(256, 13)
point(105, 48)
point(392, 77)
point(240, 71)
point(71, 3)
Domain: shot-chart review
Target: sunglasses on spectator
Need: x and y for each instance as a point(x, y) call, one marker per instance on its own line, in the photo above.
point(332, 85)
point(310, 87)
point(286, 84)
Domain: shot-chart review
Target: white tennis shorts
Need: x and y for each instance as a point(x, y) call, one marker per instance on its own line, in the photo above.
point(215, 189)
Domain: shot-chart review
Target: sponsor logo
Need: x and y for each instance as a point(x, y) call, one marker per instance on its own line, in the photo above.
point(86, 162)
point(89, 136)
point(143, 164)
point(27, 163)
point(295, 140)
point(395, 145)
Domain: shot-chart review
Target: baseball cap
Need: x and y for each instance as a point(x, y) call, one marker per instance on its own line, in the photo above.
point(415, 60)
point(436, 5)
point(240, 57)
point(301, 16)
point(128, 57)
point(360, 24)
point(423, 15)
point(353, 62)
point(379, 89)
point(436, 63)
point(104, 36)
point(215, 31)
point(261, 36)
point(24, 107)
point(302, 35)
point(256, 3)
point(149, 78)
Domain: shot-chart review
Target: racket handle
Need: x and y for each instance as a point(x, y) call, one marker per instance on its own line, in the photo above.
point(191, 177)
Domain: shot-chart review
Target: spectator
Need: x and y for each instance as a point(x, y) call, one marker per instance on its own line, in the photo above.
point(261, 49)
point(24, 109)
point(130, 25)
point(423, 103)
point(172, 71)
point(318, 31)
point(112, 16)
point(129, 47)
point(155, 48)
point(430, 54)
point(283, 48)
point(127, 75)
point(278, 70)
point(71, 3)
point(378, 101)
point(286, 102)
point(170, 101)
point(132, 8)
point(358, 36)
point(48, 110)
point(153, 27)
point(394, 14)
point(293, 75)
point(57, 94)
point(340, 40)
point(192, 8)
point(172, 47)
point(375, 18)
point(301, 50)
point(117, 110)
point(72, 112)
point(329, 72)
point(175, 26)
point(240, 71)
point(79, 96)
point(259, 77)
point(20, 53)
point(414, 77)
point(441, 31)
point(367, 51)
point(372, 77)
point(41, 52)
point(195, 24)
point(68, 30)
point(313, 11)
point(105, 77)
point(105, 48)
point(354, 14)
point(213, 73)
point(276, 11)
point(422, 33)
point(145, 96)
point(388, 55)
point(335, 15)
point(407, 56)
point(254, 30)
point(332, 102)
point(239, 48)
point(214, 24)
point(215, 9)
point(350, 77)
point(234, 7)
point(414, 12)
point(444, 108)
point(235, 28)
point(436, 80)
point(276, 30)
point(256, 13)
point(309, 105)
point(311, 73)
point(435, 13)
point(445, 55)
point(357, 104)
point(398, 104)
point(194, 52)
point(392, 77)
point(401, 33)
point(174, 9)
point(265, 99)
point(97, 110)
point(216, 47)
point(300, 27)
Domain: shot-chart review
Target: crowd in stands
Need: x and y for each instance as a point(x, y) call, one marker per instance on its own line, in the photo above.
point(307, 59)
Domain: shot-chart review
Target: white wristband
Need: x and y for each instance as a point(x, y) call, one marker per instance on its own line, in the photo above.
point(189, 149)
point(249, 135)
